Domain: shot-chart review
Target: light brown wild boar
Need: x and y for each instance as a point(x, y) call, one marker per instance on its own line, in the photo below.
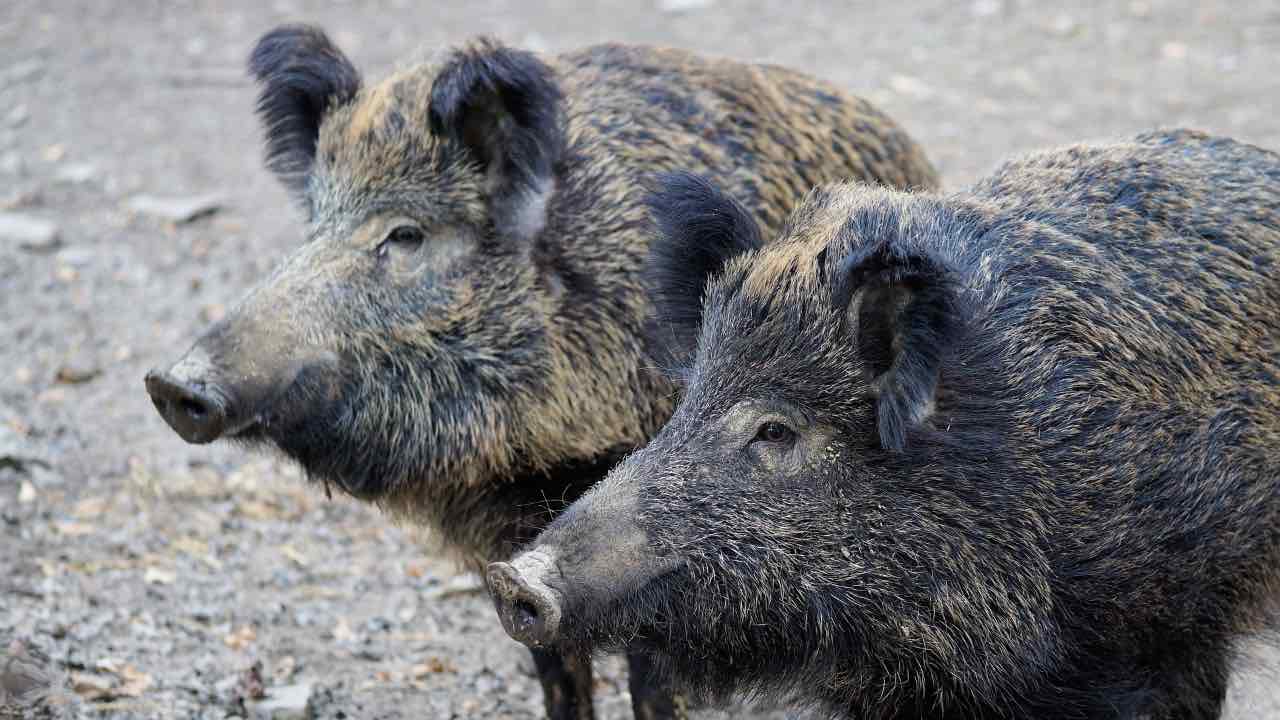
point(459, 339)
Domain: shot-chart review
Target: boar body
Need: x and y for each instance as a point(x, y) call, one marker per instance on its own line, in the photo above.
point(460, 338)
point(1008, 453)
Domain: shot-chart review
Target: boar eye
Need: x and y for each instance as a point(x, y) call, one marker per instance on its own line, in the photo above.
point(405, 238)
point(774, 432)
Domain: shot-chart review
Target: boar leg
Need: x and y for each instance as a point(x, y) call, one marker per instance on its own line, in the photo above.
point(566, 685)
point(651, 697)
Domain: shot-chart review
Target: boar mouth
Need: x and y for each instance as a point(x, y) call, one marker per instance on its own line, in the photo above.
point(250, 428)
point(643, 610)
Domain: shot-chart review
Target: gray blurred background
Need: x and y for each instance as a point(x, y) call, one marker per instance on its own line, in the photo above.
point(167, 580)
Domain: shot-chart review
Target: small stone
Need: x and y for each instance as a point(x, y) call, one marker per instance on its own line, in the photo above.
point(986, 8)
point(176, 209)
point(433, 665)
point(76, 173)
point(75, 257)
point(241, 638)
point(1064, 25)
point(28, 232)
point(282, 702)
point(76, 374)
point(18, 116)
point(53, 153)
point(159, 576)
point(43, 475)
point(679, 6)
point(196, 46)
point(53, 395)
point(19, 455)
point(22, 71)
point(25, 197)
point(212, 313)
point(910, 86)
point(90, 686)
point(11, 164)
point(1174, 51)
point(25, 673)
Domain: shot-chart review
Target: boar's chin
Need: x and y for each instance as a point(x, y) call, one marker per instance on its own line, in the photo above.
point(640, 617)
point(332, 459)
point(320, 430)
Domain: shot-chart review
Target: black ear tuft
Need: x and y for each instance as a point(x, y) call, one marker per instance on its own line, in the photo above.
point(303, 75)
point(504, 106)
point(699, 230)
point(906, 318)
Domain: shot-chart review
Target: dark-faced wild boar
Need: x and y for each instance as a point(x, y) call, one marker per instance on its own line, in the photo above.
point(460, 337)
point(1009, 453)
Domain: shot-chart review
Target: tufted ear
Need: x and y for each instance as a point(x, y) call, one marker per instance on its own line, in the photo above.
point(699, 230)
point(303, 75)
point(504, 106)
point(901, 306)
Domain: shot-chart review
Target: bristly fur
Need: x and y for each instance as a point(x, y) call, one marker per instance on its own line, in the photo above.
point(1084, 525)
point(303, 75)
point(700, 228)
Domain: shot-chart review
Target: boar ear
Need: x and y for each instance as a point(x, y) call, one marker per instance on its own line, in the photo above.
point(902, 308)
point(699, 230)
point(303, 75)
point(504, 107)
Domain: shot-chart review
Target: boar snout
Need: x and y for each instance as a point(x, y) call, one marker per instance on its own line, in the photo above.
point(529, 608)
point(240, 372)
point(593, 560)
point(194, 407)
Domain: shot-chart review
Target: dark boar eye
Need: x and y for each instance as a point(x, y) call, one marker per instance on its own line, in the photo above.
point(774, 432)
point(405, 238)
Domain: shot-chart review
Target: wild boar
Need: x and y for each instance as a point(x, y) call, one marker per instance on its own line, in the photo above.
point(1008, 453)
point(460, 338)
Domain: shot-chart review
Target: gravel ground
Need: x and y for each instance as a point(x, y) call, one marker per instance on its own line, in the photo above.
point(173, 581)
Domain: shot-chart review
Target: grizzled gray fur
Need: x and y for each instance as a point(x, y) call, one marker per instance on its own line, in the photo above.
point(1008, 453)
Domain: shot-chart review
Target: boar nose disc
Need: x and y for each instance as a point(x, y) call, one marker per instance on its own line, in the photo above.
point(529, 610)
point(193, 412)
